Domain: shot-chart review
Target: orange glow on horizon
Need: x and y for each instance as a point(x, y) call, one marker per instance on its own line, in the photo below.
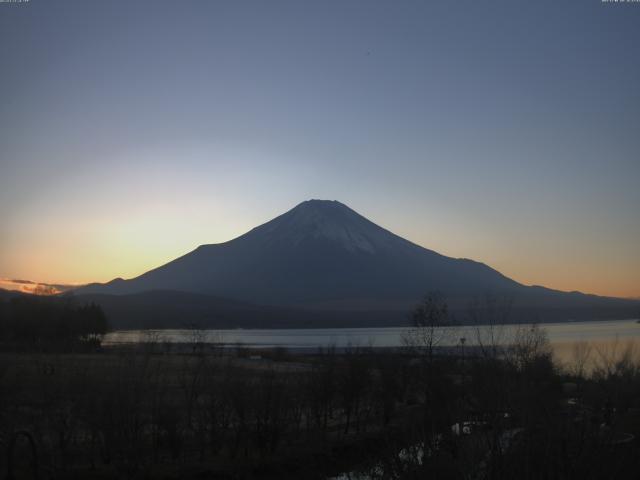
point(129, 244)
point(576, 279)
point(34, 288)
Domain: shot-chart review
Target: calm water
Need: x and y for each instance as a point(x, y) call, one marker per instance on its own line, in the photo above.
point(559, 334)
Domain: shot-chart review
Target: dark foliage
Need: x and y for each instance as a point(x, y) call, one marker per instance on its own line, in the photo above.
point(147, 413)
point(31, 322)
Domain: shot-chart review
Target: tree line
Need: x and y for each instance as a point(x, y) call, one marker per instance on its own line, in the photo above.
point(34, 322)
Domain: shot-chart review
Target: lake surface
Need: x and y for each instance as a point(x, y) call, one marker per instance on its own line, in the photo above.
point(592, 344)
point(558, 333)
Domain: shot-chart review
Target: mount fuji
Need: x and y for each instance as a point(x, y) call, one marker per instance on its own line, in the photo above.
point(323, 256)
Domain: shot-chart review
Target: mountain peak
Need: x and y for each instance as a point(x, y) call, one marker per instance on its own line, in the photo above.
point(319, 201)
point(325, 220)
point(320, 205)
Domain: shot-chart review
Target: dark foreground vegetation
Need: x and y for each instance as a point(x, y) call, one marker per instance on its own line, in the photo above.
point(202, 411)
point(34, 323)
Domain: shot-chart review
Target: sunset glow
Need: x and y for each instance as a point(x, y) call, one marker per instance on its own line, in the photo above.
point(27, 286)
point(502, 143)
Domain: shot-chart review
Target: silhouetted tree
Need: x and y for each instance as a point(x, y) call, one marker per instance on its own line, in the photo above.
point(429, 320)
point(43, 322)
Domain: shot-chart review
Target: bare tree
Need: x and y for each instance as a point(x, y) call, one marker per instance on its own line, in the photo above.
point(489, 315)
point(529, 343)
point(615, 359)
point(580, 356)
point(430, 320)
point(197, 338)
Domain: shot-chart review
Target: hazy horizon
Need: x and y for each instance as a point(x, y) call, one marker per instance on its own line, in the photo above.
point(505, 132)
point(44, 288)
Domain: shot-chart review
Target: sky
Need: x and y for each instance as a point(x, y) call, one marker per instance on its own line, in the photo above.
point(503, 131)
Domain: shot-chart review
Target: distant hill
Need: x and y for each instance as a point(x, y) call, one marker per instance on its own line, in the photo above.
point(8, 294)
point(173, 309)
point(321, 256)
point(170, 309)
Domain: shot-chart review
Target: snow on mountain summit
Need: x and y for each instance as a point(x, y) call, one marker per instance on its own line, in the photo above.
point(327, 220)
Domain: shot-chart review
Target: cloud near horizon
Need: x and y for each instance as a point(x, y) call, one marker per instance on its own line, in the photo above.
point(34, 288)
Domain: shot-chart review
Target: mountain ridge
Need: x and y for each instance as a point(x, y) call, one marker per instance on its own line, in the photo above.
point(323, 256)
point(318, 242)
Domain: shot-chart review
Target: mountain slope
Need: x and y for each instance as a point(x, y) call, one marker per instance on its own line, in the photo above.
point(319, 254)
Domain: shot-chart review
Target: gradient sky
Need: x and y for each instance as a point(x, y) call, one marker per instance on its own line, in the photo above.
point(503, 131)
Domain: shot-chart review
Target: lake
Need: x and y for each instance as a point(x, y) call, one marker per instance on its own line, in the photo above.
point(562, 336)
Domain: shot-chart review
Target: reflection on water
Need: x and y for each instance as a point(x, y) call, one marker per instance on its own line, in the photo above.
point(559, 334)
point(581, 345)
point(605, 355)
